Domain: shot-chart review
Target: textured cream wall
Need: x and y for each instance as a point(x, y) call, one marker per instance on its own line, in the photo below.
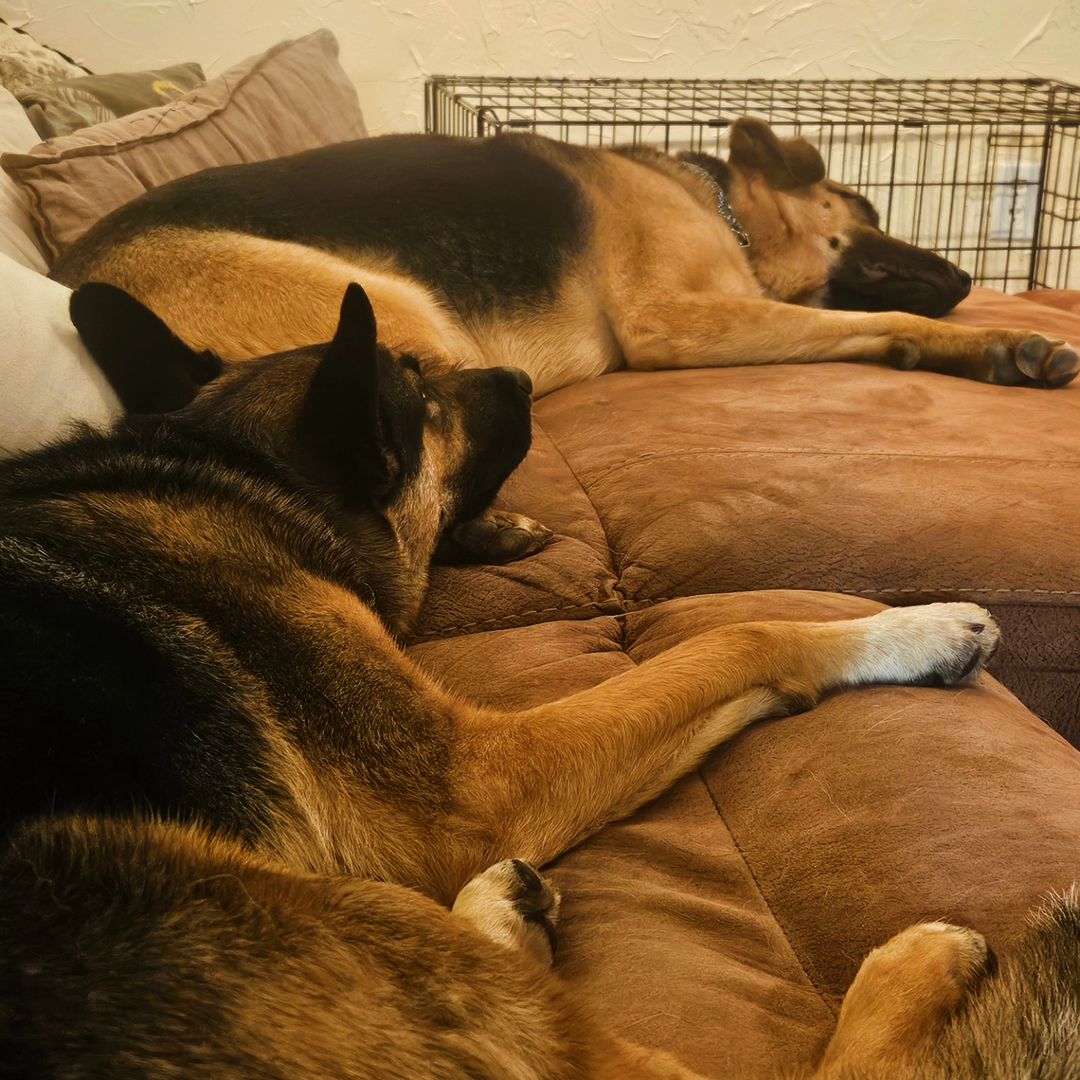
point(388, 46)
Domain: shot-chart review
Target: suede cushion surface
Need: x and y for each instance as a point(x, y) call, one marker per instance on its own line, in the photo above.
point(1066, 299)
point(724, 921)
point(900, 486)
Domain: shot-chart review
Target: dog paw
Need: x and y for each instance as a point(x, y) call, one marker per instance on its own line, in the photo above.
point(902, 994)
point(1033, 360)
point(949, 959)
point(514, 905)
point(496, 536)
point(932, 644)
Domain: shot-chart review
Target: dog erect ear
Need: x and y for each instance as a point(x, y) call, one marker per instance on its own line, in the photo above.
point(785, 164)
point(149, 367)
point(349, 418)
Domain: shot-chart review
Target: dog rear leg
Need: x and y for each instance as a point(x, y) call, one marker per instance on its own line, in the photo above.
point(537, 782)
point(903, 994)
point(706, 330)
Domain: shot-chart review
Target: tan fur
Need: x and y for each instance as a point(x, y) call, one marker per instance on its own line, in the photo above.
point(792, 258)
point(246, 941)
point(686, 295)
point(246, 296)
point(313, 942)
point(560, 760)
point(417, 516)
point(934, 1004)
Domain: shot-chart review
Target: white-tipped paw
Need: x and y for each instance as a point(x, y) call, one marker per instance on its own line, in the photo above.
point(932, 644)
point(514, 905)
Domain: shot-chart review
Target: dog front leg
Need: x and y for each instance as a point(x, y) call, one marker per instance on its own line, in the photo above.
point(716, 330)
point(537, 782)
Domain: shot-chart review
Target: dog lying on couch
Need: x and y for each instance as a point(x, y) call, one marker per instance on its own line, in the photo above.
point(565, 261)
point(234, 811)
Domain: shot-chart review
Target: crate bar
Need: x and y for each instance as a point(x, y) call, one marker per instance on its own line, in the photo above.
point(936, 155)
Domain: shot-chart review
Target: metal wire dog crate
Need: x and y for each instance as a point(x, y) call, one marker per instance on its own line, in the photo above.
point(985, 171)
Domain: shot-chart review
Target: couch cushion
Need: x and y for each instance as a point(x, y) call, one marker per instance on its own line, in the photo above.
point(1065, 299)
point(724, 921)
point(48, 380)
point(899, 486)
point(293, 97)
point(18, 240)
point(1050, 311)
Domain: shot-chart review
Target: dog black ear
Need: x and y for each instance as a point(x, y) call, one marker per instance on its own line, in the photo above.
point(785, 164)
point(149, 367)
point(350, 418)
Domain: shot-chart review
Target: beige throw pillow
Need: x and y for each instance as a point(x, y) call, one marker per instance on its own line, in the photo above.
point(293, 97)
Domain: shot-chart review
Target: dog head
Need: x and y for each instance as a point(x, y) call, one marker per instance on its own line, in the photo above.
point(816, 242)
point(370, 432)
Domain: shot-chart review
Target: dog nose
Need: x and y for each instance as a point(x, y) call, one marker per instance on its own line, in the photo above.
point(965, 280)
point(521, 378)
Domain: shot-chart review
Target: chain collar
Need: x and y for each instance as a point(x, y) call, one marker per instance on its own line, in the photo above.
point(723, 207)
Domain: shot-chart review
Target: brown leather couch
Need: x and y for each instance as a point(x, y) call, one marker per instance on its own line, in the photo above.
point(725, 921)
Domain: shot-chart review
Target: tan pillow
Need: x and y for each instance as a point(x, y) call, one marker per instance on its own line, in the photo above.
point(293, 97)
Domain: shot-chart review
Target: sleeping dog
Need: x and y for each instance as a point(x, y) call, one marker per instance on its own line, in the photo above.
point(243, 835)
point(562, 260)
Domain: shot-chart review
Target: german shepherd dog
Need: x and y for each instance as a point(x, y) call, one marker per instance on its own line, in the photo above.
point(245, 836)
point(563, 261)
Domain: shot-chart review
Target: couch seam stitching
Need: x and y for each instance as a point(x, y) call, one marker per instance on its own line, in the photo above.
point(829, 1008)
point(613, 555)
point(657, 455)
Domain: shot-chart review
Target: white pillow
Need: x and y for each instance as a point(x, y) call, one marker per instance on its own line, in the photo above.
point(17, 239)
point(47, 378)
